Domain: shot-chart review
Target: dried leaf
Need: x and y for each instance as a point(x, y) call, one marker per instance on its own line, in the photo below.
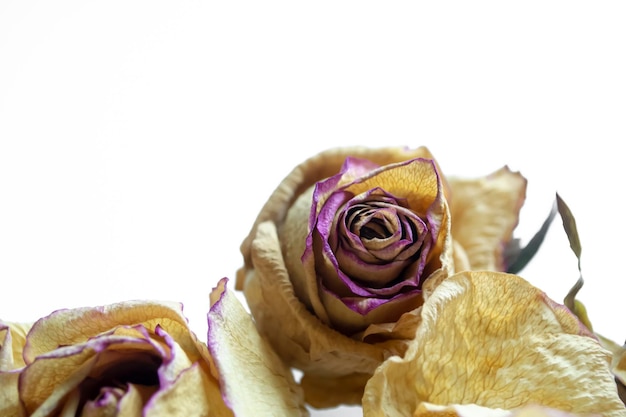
point(521, 257)
point(569, 224)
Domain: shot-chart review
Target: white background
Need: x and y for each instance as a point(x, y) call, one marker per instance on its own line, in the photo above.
point(139, 139)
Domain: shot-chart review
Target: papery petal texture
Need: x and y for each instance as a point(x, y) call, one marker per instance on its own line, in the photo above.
point(371, 241)
point(124, 359)
point(340, 258)
point(472, 410)
point(254, 380)
point(493, 340)
point(485, 212)
point(12, 340)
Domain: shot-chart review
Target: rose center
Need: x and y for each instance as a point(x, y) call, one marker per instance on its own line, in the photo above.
point(375, 229)
point(118, 370)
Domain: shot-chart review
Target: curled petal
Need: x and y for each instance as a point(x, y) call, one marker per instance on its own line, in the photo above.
point(323, 165)
point(73, 326)
point(51, 377)
point(129, 358)
point(485, 212)
point(494, 340)
point(193, 393)
point(413, 185)
point(472, 410)
point(254, 380)
point(12, 340)
point(302, 340)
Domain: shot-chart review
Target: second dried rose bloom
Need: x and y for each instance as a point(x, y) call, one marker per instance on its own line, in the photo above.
point(338, 260)
point(137, 358)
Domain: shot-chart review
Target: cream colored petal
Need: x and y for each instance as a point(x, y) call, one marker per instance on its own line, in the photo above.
point(467, 410)
point(45, 385)
point(73, 326)
point(417, 181)
point(254, 380)
point(10, 405)
point(307, 173)
point(131, 404)
point(71, 404)
point(618, 361)
point(292, 235)
point(193, 394)
point(484, 213)
point(298, 337)
point(304, 340)
point(619, 370)
point(12, 337)
point(473, 410)
point(128, 404)
point(12, 341)
point(494, 340)
point(175, 362)
point(327, 307)
point(349, 322)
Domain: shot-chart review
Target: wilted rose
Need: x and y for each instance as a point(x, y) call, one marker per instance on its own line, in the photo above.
point(490, 340)
point(140, 358)
point(339, 258)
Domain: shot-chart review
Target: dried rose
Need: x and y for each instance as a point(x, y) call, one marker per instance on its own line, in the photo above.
point(493, 340)
point(140, 358)
point(338, 259)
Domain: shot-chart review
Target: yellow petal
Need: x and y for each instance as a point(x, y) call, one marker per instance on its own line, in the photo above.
point(493, 340)
point(299, 337)
point(254, 380)
point(484, 213)
point(45, 383)
point(472, 410)
point(10, 405)
point(418, 182)
point(292, 235)
point(73, 326)
point(69, 348)
point(318, 167)
point(132, 402)
point(12, 341)
point(193, 394)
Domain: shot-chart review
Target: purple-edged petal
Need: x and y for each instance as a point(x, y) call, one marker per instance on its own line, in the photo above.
point(349, 257)
point(52, 376)
point(281, 284)
point(72, 326)
point(492, 339)
point(136, 357)
point(254, 380)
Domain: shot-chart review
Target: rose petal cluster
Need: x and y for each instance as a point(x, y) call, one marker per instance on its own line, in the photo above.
point(340, 257)
point(139, 358)
point(496, 342)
